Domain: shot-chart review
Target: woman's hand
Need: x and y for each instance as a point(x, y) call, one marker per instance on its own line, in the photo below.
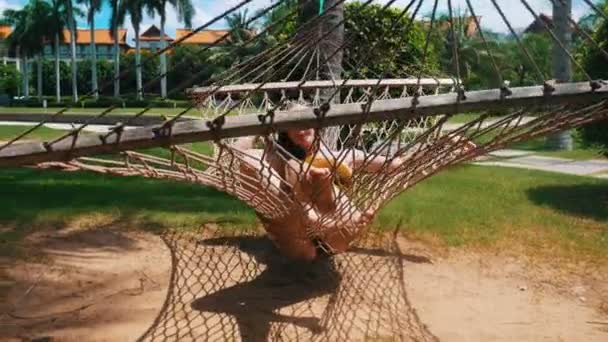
point(317, 174)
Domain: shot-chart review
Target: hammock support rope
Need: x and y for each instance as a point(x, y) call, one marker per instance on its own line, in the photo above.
point(373, 135)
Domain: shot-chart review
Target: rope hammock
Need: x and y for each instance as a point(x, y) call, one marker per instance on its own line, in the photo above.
point(317, 155)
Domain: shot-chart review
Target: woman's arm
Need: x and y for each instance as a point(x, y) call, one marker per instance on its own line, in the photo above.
point(373, 164)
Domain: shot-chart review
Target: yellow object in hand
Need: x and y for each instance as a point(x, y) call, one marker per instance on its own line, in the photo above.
point(343, 171)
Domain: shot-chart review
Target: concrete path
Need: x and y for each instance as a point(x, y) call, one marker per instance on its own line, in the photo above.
point(63, 126)
point(527, 160)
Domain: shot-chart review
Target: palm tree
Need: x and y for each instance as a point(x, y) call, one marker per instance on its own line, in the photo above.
point(72, 27)
point(94, 6)
point(135, 9)
point(185, 12)
point(114, 26)
point(475, 64)
point(18, 19)
point(237, 24)
point(40, 14)
point(56, 28)
point(333, 16)
point(29, 32)
point(279, 28)
point(240, 25)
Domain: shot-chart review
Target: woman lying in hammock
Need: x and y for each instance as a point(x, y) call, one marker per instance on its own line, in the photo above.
point(322, 219)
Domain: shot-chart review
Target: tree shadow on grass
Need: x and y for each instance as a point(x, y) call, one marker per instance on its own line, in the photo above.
point(34, 200)
point(588, 200)
point(28, 193)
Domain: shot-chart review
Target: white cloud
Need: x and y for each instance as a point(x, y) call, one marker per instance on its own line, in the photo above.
point(6, 4)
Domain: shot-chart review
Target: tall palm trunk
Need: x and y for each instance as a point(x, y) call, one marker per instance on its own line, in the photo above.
point(26, 78)
point(39, 76)
point(19, 66)
point(561, 63)
point(331, 24)
point(116, 65)
point(140, 91)
point(332, 67)
point(163, 58)
point(57, 71)
point(71, 25)
point(93, 59)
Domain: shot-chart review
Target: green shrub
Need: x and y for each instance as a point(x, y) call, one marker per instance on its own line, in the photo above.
point(9, 80)
point(595, 135)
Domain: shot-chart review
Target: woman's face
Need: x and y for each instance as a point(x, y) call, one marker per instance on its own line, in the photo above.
point(302, 137)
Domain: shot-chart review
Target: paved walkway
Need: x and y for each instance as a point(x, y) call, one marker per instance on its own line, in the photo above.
point(527, 160)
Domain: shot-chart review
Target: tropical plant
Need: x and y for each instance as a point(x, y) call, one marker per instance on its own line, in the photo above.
point(135, 10)
point(114, 31)
point(56, 28)
point(594, 62)
point(465, 54)
point(29, 31)
point(9, 80)
point(93, 6)
point(185, 13)
point(387, 38)
point(281, 21)
point(71, 19)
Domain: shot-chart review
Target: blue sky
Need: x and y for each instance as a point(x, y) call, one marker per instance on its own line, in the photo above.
point(207, 9)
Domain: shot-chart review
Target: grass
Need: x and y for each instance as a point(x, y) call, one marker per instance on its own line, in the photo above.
point(194, 112)
point(463, 118)
point(540, 146)
point(483, 206)
point(78, 110)
point(43, 133)
point(466, 206)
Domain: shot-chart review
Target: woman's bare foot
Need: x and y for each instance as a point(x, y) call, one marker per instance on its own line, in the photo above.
point(465, 145)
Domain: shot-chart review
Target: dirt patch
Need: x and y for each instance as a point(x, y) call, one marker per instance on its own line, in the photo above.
point(482, 298)
point(105, 284)
point(92, 285)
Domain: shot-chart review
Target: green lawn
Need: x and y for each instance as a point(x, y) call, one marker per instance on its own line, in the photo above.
point(484, 205)
point(463, 118)
point(192, 112)
point(539, 146)
point(466, 206)
point(42, 133)
point(78, 110)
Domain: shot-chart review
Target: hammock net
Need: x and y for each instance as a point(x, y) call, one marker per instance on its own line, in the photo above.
point(370, 136)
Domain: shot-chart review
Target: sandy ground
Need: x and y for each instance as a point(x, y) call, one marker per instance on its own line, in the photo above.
point(110, 285)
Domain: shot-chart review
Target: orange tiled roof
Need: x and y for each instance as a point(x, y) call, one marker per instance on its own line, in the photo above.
point(157, 38)
point(5, 31)
point(102, 36)
point(202, 37)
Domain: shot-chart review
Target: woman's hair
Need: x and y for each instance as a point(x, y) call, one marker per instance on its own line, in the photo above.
point(287, 145)
point(293, 150)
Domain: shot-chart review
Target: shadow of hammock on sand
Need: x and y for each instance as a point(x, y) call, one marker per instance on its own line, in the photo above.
point(239, 288)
